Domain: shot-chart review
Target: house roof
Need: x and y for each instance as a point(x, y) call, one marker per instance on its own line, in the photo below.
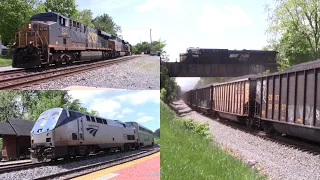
point(6, 129)
point(16, 127)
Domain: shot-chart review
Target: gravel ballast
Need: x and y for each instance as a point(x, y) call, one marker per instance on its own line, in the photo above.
point(277, 161)
point(141, 73)
point(52, 169)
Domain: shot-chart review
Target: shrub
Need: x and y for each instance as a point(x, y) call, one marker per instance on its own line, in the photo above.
point(198, 128)
point(163, 94)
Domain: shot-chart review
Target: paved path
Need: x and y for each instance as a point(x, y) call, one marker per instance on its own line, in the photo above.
point(147, 168)
point(7, 68)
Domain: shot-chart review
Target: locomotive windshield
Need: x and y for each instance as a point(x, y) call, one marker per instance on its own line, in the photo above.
point(47, 121)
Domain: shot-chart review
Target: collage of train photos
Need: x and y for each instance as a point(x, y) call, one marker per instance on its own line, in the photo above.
point(86, 84)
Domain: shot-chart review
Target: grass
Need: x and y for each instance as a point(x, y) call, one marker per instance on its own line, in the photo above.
point(156, 140)
point(5, 61)
point(0, 148)
point(188, 155)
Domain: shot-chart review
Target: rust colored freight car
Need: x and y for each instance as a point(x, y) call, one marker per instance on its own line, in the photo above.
point(202, 99)
point(234, 100)
point(290, 102)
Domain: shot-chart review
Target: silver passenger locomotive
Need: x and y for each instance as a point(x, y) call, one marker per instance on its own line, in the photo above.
point(62, 133)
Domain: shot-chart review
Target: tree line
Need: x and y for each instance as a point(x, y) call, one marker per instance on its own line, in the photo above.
point(29, 104)
point(14, 13)
point(294, 31)
point(146, 46)
point(169, 88)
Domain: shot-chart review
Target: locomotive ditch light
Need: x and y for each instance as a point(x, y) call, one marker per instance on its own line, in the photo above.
point(29, 25)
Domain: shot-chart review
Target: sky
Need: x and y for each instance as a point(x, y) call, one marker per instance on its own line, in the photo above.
point(227, 24)
point(124, 105)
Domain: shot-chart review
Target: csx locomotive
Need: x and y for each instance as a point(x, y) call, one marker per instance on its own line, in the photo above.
point(50, 38)
point(62, 133)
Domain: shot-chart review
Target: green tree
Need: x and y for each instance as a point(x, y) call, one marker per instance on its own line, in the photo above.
point(9, 105)
point(294, 31)
point(172, 89)
point(30, 104)
point(106, 23)
point(157, 133)
point(66, 8)
point(85, 17)
point(145, 46)
point(14, 13)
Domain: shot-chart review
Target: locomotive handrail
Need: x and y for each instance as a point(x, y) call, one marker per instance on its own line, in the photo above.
point(40, 38)
point(46, 40)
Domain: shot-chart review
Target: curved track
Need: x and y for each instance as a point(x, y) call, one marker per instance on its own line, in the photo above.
point(18, 79)
point(290, 142)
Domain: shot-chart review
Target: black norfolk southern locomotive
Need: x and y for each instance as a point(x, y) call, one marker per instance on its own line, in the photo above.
point(50, 38)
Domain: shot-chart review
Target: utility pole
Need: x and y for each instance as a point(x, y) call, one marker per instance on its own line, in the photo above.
point(151, 41)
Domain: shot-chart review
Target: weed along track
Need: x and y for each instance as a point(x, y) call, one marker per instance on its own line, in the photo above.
point(277, 156)
point(187, 149)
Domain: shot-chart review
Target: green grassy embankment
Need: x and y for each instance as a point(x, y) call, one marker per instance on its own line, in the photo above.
point(187, 152)
point(5, 61)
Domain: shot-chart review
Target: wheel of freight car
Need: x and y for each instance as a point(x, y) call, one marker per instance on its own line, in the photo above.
point(269, 130)
point(250, 123)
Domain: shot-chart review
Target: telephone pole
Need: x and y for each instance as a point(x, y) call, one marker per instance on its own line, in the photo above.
point(151, 41)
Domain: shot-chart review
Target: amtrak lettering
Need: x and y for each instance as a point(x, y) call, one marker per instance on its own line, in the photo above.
point(92, 129)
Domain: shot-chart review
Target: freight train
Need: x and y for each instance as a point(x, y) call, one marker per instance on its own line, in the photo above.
point(62, 133)
point(50, 38)
point(279, 103)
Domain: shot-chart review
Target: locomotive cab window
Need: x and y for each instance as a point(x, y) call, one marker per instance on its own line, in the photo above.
point(62, 21)
point(104, 121)
point(88, 118)
point(93, 119)
point(99, 120)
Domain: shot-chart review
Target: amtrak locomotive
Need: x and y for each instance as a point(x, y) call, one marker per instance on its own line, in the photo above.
point(62, 133)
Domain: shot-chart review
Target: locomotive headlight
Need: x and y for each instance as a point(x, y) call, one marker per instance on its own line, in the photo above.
point(29, 26)
point(48, 134)
point(31, 42)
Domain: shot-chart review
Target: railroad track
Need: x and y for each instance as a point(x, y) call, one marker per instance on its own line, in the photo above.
point(18, 79)
point(81, 171)
point(16, 163)
point(18, 167)
point(290, 142)
point(30, 165)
